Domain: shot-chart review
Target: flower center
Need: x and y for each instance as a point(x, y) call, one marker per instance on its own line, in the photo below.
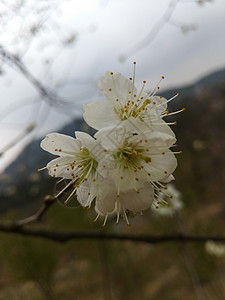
point(84, 165)
point(134, 108)
point(130, 155)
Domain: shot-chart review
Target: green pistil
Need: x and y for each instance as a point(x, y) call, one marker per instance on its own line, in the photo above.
point(88, 161)
point(128, 156)
point(145, 103)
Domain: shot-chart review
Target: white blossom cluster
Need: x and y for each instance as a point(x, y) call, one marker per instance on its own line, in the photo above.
point(123, 167)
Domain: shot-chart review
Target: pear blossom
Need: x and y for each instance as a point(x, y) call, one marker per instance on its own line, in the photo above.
point(133, 159)
point(124, 167)
point(108, 203)
point(128, 202)
point(123, 101)
point(168, 201)
point(76, 162)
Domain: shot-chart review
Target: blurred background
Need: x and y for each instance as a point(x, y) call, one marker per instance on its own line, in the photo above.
point(52, 54)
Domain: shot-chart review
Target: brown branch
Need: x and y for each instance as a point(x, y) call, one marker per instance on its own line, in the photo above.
point(18, 227)
point(48, 201)
point(64, 235)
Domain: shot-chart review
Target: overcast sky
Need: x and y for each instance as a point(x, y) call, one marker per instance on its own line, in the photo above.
point(103, 32)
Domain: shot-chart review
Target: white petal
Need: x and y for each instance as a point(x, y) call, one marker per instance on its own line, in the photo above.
point(131, 180)
point(159, 139)
point(60, 144)
point(160, 125)
point(137, 202)
point(106, 198)
point(168, 179)
point(112, 137)
point(116, 86)
point(100, 114)
point(158, 105)
point(86, 192)
point(94, 147)
point(60, 167)
point(161, 166)
point(82, 195)
point(85, 139)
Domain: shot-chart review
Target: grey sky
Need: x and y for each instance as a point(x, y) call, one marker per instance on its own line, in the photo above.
point(103, 31)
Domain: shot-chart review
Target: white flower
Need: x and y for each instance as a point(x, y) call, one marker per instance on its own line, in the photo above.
point(108, 203)
point(133, 159)
point(128, 202)
point(125, 165)
point(76, 162)
point(123, 102)
point(167, 202)
point(213, 248)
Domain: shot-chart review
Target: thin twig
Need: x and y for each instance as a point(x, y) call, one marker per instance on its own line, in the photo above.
point(158, 26)
point(45, 92)
point(48, 201)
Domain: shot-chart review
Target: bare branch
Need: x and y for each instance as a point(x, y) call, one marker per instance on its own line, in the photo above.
point(46, 93)
point(48, 201)
point(153, 32)
point(64, 235)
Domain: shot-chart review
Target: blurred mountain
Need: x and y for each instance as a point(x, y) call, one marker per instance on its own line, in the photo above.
point(200, 132)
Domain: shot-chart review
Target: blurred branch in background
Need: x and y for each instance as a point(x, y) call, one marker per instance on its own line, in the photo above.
point(44, 92)
point(22, 135)
point(159, 25)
